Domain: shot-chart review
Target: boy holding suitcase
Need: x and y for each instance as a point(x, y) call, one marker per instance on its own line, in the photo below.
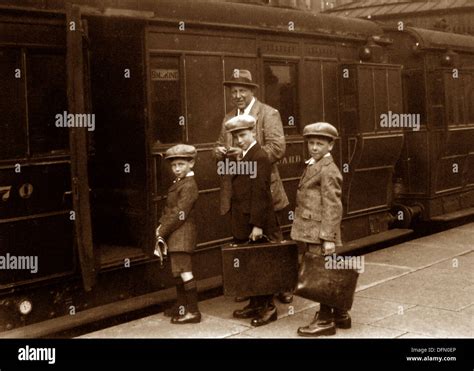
point(252, 212)
point(318, 216)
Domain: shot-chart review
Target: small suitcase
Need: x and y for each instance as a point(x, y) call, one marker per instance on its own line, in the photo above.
point(260, 268)
point(333, 287)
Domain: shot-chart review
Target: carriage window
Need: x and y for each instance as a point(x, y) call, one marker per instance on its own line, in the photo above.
point(436, 98)
point(13, 128)
point(166, 113)
point(414, 87)
point(281, 93)
point(469, 97)
point(47, 97)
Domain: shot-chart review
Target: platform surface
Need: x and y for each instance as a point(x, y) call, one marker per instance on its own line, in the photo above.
point(419, 289)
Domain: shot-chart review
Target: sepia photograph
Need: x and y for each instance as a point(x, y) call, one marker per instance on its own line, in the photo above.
point(236, 171)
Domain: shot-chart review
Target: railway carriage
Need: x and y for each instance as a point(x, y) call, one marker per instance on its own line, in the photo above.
point(86, 202)
point(435, 173)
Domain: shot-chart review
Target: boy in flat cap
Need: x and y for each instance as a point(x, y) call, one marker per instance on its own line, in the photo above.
point(269, 134)
point(252, 213)
point(318, 216)
point(178, 228)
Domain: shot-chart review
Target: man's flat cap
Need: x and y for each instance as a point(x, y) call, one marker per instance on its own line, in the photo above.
point(240, 122)
point(181, 151)
point(320, 129)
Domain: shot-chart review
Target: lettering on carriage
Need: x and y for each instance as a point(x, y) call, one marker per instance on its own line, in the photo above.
point(279, 48)
point(318, 50)
point(164, 74)
point(289, 160)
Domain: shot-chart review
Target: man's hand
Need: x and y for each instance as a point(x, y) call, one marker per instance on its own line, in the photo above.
point(256, 234)
point(234, 152)
point(329, 248)
point(220, 151)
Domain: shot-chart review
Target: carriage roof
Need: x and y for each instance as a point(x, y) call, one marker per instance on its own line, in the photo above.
point(213, 13)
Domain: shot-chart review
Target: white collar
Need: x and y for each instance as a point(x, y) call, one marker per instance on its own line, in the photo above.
point(248, 108)
point(312, 161)
point(191, 173)
point(248, 149)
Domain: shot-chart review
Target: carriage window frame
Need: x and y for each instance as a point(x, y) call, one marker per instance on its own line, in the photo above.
point(289, 130)
point(23, 104)
point(34, 151)
point(456, 111)
point(183, 137)
point(18, 101)
point(421, 98)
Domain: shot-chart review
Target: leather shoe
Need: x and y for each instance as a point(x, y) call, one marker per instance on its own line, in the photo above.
point(285, 297)
point(318, 328)
point(174, 310)
point(265, 317)
point(239, 299)
point(342, 320)
point(247, 312)
point(189, 317)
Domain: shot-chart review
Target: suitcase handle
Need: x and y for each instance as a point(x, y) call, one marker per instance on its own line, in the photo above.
point(264, 238)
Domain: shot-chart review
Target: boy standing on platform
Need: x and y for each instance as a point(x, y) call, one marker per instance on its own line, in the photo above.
point(252, 212)
point(178, 228)
point(318, 216)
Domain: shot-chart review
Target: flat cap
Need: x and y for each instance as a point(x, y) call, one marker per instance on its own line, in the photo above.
point(241, 78)
point(181, 151)
point(321, 129)
point(240, 122)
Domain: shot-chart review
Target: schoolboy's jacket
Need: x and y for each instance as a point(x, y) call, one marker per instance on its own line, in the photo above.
point(177, 223)
point(270, 136)
point(252, 196)
point(318, 211)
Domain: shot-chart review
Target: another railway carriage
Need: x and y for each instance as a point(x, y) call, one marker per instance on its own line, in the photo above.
point(140, 77)
point(435, 174)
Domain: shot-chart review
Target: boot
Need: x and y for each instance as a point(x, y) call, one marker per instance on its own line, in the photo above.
point(179, 307)
point(249, 311)
point(322, 324)
point(342, 319)
point(192, 314)
point(267, 314)
point(285, 297)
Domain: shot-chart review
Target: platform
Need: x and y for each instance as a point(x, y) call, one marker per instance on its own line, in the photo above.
point(418, 289)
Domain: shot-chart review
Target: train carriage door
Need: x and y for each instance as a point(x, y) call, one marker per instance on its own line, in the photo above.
point(77, 105)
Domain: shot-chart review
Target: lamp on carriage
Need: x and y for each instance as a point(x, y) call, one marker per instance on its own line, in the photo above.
point(449, 58)
point(371, 51)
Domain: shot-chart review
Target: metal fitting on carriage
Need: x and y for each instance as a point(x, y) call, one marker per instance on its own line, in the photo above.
point(450, 58)
point(404, 216)
point(371, 52)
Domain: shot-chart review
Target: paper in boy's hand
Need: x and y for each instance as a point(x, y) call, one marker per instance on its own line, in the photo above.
point(164, 246)
point(161, 249)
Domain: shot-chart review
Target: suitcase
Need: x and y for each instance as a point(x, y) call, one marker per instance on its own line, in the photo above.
point(333, 287)
point(260, 268)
